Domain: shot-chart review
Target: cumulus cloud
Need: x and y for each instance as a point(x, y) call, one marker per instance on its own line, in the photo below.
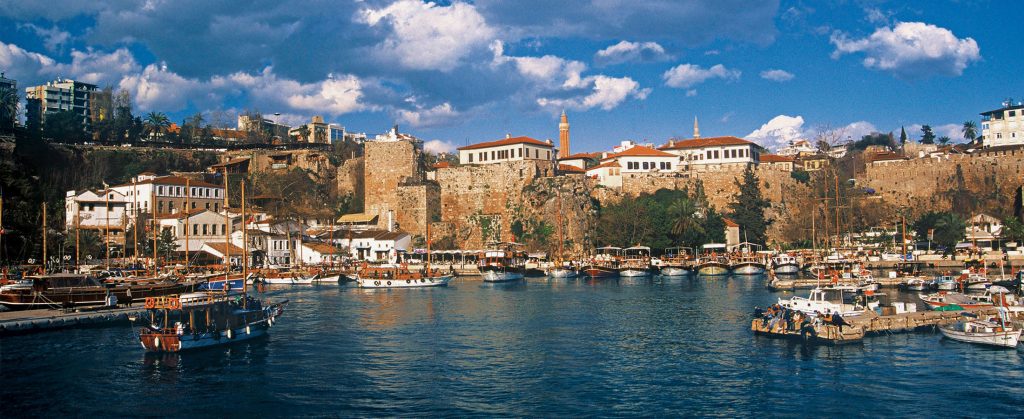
point(421, 117)
point(626, 51)
point(911, 50)
point(102, 68)
point(156, 88)
point(782, 130)
point(427, 36)
point(688, 75)
point(54, 38)
point(777, 75)
point(25, 65)
point(604, 92)
point(438, 146)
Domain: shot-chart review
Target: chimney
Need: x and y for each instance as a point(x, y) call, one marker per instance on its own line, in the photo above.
point(391, 223)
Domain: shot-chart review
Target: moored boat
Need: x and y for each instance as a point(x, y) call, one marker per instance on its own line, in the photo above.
point(990, 332)
point(502, 265)
point(785, 264)
point(636, 262)
point(676, 261)
point(203, 319)
point(745, 260)
point(75, 290)
point(605, 263)
point(399, 276)
point(712, 261)
point(846, 300)
point(946, 300)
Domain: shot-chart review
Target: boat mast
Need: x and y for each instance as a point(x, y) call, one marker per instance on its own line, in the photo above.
point(152, 198)
point(44, 237)
point(188, 196)
point(227, 236)
point(334, 250)
point(428, 248)
point(904, 237)
point(561, 239)
point(245, 247)
point(106, 225)
point(839, 236)
point(78, 228)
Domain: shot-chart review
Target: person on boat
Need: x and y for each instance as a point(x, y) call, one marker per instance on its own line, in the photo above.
point(758, 312)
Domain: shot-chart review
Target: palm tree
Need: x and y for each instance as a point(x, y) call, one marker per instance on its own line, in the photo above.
point(685, 213)
point(970, 131)
point(156, 123)
point(304, 133)
point(944, 139)
point(8, 108)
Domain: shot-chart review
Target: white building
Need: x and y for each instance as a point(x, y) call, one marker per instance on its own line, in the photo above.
point(168, 195)
point(64, 95)
point(797, 148)
point(202, 225)
point(1003, 126)
point(373, 244)
point(632, 160)
point(320, 254)
point(714, 152)
point(507, 149)
point(607, 174)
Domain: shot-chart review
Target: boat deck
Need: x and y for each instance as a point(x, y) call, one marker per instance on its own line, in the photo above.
point(871, 323)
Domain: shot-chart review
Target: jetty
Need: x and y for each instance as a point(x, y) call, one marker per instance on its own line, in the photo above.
point(867, 324)
point(29, 321)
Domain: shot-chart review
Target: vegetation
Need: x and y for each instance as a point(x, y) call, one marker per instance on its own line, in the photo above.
point(664, 219)
point(748, 209)
point(947, 228)
point(801, 176)
point(927, 136)
point(875, 138)
point(8, 109)
point(970, 131)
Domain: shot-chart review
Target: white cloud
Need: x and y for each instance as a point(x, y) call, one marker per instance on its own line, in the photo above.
point(687, 75)
point(604, 92)
point(626, 51)
point(777, 75)
point(101, 68)
point(438, 147)
point(157, 89)
point(54, 39)
point(25, 66)
point(779, 131)
point(911, 50)
point(442, 114)
point(691, 93)
point(426, 36)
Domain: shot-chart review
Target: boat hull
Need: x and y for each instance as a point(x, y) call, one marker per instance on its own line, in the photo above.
point(437, 281)
point(562, 273)
point(600, 272)
point(634, 273)
point(170, 341)
point(1004, 339)
point(748, 269)
point(787, 269)
point(25, 299)
point(712, 269)
point(499, 276)
point(674, 271)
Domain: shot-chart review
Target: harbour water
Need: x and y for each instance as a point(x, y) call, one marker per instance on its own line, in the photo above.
point(534, 348)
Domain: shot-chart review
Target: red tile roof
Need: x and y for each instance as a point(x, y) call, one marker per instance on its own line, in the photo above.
point(442, 165)
point(640, 151)
point(581, 156)
point(613, 163)
point(568, 168)
point(172, 180)
point(730, 223)
point(704, 142)
point(322, 248)
point(219, 248)
point(507, 141)
point(775, 158)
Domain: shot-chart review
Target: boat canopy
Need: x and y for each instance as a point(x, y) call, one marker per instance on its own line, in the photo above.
point(639, 248)
point(714, 246)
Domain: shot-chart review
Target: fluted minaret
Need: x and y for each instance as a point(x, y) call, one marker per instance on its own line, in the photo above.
point(696, 128)
point(563, 136)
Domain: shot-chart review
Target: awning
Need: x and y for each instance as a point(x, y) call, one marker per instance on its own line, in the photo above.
point(361, 218)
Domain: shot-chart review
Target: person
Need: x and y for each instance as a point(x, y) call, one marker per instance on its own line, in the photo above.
point(758, 312)
point(111, 300)
point(129, 302)
point(839, 321)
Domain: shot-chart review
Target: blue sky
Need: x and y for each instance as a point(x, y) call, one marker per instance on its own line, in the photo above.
point(455, 73)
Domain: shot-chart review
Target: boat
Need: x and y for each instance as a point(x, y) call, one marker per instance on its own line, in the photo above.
point(996, 331)
point(676, 261)
point(945, 283)
point(636, 262)
point(712, 261)
point(400, 276)
point(946, 300)
point(605, 263)
point(283, 277)
point(502, 265)
point(563, 271)
point(915, 284)
point(845, 300)
point(77, 290)
point(203, 319)
point(785, 264)
point(560, 269)
point(745, 260)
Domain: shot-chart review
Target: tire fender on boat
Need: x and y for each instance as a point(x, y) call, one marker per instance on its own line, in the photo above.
point(389, 283)
point(156, 342)
point(377, 283)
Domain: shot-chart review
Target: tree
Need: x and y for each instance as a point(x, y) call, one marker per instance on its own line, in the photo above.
point(303, 133)
point(1013, 230)
point(748, 209)
point(903, 136)
point(684, 211)
point(156, 124)
point(944, 140)
point(970, 131)
point(165, 244)
point(64, 127)
point(947, 228)
point(927, 136)
point(8, 108)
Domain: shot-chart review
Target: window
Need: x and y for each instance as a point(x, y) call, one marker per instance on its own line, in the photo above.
point(470, 157)
point(205, 227)
point(160, 190)
point(549, 155)
point(1013, 113)
point(193, 204)
point(520, 152)
point(195, 229)
point(170, 206)
point(646, 166)
point(223, 229)
point(492, 154)
point(999, 135)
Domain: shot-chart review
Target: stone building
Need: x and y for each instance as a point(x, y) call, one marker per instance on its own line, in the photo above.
point(505, 150)
point(395, 186)
point(1003, 126)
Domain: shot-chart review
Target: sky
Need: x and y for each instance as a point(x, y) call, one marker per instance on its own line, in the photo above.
point(454, 73)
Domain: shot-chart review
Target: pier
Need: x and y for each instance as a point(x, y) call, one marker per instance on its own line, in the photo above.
point(870, 323)
point(28, 321)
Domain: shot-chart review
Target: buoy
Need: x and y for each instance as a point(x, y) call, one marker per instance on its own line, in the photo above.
point(247, 330)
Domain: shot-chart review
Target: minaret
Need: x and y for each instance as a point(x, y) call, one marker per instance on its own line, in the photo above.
point(696, 128)
point(563, 136)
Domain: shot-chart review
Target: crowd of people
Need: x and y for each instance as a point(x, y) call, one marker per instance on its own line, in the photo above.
point(783, 320)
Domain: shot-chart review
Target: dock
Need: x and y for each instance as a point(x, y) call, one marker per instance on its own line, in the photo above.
point(29, 321)
point(786, 284)
point(869, 324)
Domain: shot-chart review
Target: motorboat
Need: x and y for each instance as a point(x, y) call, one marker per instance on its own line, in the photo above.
point(945, 283)
point(203, 319)
point(949, 300)
point(502, 265)
point(605, 263)
point(283, 277)
point(636, 262)
point(785, 264)
point(676, 261)
point(400, 276)
point(746, 260)
point(915, 284)
point(713, 260)
point(562, 272)
point(997, 331)
point(846, 300)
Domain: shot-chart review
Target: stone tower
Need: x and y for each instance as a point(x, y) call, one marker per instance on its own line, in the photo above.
point(563, 136)
point(696, 128)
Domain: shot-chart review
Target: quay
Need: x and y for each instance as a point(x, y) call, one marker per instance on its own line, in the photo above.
point(869, 324)
point(29, 321)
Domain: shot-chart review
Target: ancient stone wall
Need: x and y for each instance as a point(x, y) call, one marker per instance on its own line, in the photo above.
point(350, 177)
point(394, 180)
point(719, 186)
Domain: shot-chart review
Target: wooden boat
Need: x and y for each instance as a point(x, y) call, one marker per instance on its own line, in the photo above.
point(676, 261)
point(284, 277)
point(562, 271)
point(712, 261)
point(502, 265)
point(605, 263)
point(745, 260)
point(203, 319)
point(944, 299)
point(74, 290)
point(785, 264)
point(991, 332)
point(636, 262)
point(399, 276)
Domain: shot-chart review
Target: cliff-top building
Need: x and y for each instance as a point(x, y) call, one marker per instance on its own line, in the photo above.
point(1003, 126)
point(62, 95)
point(508, 149)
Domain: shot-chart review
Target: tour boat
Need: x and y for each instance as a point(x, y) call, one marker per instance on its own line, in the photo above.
point(915, 284)
point(676, 261)
point(713, 262)
point(562, 271)
point(283, 277)
point(605, 263)
point(502, 265)
point(785, 264)
point(846, 300)
point(942, 299)
point(746, 260)
point(400, 276)
point(73, 290)
point(636, 262)
point(203, 319)
point(992, 332)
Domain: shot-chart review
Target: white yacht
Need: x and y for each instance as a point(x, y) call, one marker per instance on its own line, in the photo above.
point(846, 300)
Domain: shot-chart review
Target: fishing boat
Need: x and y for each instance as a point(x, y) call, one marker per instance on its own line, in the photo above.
point(502, 265)
point(745, 260)
point(846, 300)
point(915, 284)
point(997, 331)
point(945, 283)
point(283, 276)
point(676, 261)
point(785, 264)
point(400, 276)
point(636, 262)
point(605, 263)
point(946, 300)
point(713, 261)
point(76, 290)
point(203, 319)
